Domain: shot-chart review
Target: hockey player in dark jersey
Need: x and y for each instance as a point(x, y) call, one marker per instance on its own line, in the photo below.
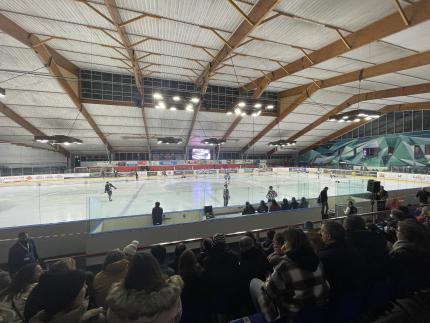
point(108, 190)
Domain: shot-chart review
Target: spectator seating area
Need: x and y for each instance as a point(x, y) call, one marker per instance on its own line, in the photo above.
point(344, 270)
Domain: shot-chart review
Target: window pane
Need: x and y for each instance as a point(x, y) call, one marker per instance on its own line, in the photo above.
point(390, 122)
point(418, 120)
point(375, 126)
point(426, 120)
point(383, 125)
point(399, 122)
point(367, 131)
point(407, 121)
point(355, 133)
point(361, 131)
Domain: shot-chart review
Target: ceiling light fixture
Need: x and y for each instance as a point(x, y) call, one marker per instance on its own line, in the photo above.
point(189, 107)
point(241, 104)
point(282, 143)
point(258, 105)
point(355, 115)
point(229, 112)
point(176, 98)
point(173, 109)
point(237, 111)
point(195, 100)
point(58, 139)
point(169, 141)
point(157, 96)
point(213, 141)
point(270, 107)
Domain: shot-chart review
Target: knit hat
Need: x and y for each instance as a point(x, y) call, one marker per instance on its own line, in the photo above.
point(219, 238)
point(131, 249)
point(58, 290)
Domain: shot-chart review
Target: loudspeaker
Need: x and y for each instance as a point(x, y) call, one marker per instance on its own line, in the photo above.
point(373, 186)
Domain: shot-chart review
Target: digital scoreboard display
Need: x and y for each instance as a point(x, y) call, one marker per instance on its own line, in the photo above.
point(199, 153)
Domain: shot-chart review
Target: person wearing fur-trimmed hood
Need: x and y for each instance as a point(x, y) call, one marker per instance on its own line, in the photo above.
point(144, 296)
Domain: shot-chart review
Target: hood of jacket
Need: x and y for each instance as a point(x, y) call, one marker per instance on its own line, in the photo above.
point(132, 304)
point(404, 245)
point(304, 259)
point(117, 267)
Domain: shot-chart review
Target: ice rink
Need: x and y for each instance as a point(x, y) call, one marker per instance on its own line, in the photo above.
point(78, 199)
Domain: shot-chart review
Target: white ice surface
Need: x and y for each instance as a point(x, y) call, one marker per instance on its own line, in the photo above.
point(69, 200)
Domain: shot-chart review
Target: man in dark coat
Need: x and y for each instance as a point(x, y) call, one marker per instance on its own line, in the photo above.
point(323, 200)
point(22, 252)
point(157, 214)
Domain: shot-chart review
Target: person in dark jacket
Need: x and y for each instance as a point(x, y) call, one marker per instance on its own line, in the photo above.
point(253, 264)
point(195, 307)
point(274, 206)
point(323, 200)
point(423, 196)
point(285, 205)
point(371, 245)
point(267, 244)
point(23, 252)
point(409, 258)
point(206, 246)
point(303, 203)
point(179, 249)
point(294, 204)
point(159, 252)
point(222, 267)
point(262, 208)
point(343, 266)
point(157, 214)
point(249, 209)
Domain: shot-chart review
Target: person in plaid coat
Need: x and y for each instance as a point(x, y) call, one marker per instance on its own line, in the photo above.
point(271, 194)
point(297, 281)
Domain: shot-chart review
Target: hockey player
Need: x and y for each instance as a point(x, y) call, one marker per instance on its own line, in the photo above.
point(271, 194)
point(227, 178)
point(108, 190)
point(226, 195)
point(136, 174)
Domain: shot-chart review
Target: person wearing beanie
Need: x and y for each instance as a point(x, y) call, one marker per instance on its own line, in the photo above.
point(131, 249)
point(219, 239)
point(144, 296)
point(63, 295)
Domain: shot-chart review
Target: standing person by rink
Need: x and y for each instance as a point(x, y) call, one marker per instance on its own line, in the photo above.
point(108, 190)
point(226, 195)
point(271, 194)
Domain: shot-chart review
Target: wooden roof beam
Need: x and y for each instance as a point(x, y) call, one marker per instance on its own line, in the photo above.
point(352, 126)
point(15, 117)
point(256, 15)
point(393, 66)
point(383, 94)
point(417, 13)
point(60, 69)
point(243, 14)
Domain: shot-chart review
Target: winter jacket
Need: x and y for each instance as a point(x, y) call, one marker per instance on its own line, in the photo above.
point(323, 196)
point(132, 306)
point(77, 315)
point(104, 280)
point(17, 303)
point(194, 298)
point(297, 281)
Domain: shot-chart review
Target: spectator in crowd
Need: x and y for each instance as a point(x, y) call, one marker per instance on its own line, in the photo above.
point(382, 194)
point(424, 215)
point(205, 248)
point(343, 266)
point(303, 203)
point(16, 294)
point(195, 307)
point(157, 214)
point(262, 208)
point(253, 264)
point(274, 206)
point(313, 235)
point(253, 237)
point(222, 269)
point(4, 279)
point(285, 205)
point(63, 264)
point(294, 204)
point(63, 295)
point(267, 244)
point(323, 200)
point(350, 208)
point(297, 281)
point(271, 194)
point(159, 252)
point(144, 296)
point(423, 196)
point(249, 209)
point(278, 242)
point(179, 249)
point(371, 246)
point(131, 249)
point(114, 269)
point(21, 253)
point(393, 203)
point(409, 257)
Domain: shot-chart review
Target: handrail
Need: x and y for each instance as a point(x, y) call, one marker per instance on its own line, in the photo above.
point(228, 235)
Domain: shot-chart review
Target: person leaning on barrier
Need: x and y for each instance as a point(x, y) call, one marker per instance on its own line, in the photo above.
point(157, 214)
point(23, 252)
point(249, 209)
point(350, 209)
